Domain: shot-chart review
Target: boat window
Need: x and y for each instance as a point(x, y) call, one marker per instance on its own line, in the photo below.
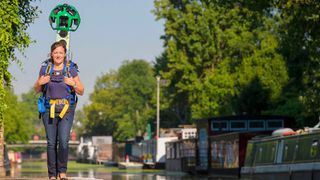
point(219, 125)
point(274, 124)
point(249, 155)
point(168, 151)
point(266, 152)
point(178, 150)
point(188, 149)
point(314, 149)
point(172, 155)
point(256, 125)
point(238, 125)
point(289, 150)
point(308, 149)
point(286, 151)
point(259, 155)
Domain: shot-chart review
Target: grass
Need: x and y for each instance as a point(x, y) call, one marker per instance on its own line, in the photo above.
point(74, 167)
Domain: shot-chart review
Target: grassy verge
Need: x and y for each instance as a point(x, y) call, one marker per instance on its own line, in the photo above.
point(74, 167)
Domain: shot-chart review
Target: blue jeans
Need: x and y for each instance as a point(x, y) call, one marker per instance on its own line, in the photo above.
point(58, 133)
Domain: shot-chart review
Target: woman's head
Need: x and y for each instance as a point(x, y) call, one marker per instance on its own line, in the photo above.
point(58, 51)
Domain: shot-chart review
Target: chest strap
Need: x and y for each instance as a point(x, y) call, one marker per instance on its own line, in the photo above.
point(53, 103)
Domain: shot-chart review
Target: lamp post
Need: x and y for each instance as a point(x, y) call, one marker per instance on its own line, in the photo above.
point(158, 117)
point(159, 83)
point(158, 106)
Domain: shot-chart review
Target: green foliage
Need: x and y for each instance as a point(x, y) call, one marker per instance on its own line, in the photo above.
point(15, 17)
point(220, 58)
point(79, 120)
point(216, 54)
point(17, 128)
point(291, 105)
point(122, 101)
point(300, 46)
point(29, 103)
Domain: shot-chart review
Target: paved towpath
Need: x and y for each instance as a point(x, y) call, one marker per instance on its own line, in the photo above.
point(45, 178)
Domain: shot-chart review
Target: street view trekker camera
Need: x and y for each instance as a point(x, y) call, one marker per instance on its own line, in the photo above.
point(64, 18)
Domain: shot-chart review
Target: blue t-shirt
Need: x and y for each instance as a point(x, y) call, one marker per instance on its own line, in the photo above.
point(56, 88)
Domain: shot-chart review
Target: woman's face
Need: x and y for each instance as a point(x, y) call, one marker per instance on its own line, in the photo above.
point(58, 55)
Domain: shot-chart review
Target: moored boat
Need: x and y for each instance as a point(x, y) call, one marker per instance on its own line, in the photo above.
point(285, 155)
point(130, 165)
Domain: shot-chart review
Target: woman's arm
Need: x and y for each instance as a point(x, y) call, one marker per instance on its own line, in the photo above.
point(78, 86)
point(39, 82)
point(75, 83)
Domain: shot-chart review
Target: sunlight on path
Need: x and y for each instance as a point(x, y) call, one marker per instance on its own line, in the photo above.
point(70, 178)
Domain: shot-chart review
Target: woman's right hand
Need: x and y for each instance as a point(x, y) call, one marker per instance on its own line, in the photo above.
point(43, 80)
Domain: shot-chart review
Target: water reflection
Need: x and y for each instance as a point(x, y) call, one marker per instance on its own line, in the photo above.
point(141, 176)
point(124, 176)
point(38, 170)
point(89, 173)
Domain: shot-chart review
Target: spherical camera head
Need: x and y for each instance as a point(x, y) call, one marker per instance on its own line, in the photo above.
point(64, 17)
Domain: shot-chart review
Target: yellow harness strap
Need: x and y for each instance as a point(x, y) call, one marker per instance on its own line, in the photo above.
point(68, 69)
point(53, 103)
point(48, 69)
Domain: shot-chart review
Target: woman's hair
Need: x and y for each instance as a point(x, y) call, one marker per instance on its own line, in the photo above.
point(61, 43)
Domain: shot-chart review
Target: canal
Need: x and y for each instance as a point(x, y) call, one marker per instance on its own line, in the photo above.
point(38, 169)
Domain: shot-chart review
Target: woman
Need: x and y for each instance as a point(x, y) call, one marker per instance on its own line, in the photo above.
point(60, 92)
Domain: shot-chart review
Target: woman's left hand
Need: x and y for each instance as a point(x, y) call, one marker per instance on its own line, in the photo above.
point(75, 83)
point(69, 81)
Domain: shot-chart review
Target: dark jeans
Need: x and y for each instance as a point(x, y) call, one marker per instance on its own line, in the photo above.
point(58, 133)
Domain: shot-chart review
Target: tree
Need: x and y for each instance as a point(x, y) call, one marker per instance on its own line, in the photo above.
point(122, 101)
point(299, 45)
point(78, 123)
point(215, 52)
point(18, 128)
point(15, 17)
point(29, 103)
point(137, 87)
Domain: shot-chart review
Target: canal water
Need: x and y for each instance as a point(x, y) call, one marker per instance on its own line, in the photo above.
point(38, 169)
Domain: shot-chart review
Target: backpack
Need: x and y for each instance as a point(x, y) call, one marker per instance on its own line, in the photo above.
point(43, 101)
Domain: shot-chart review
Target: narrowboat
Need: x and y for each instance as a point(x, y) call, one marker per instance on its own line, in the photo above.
point(181, 155)
point(227, 153)
point(288, 155)
point(215, 135)
point(130, 165)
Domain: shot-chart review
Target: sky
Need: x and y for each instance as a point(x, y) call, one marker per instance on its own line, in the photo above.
point(110, 32)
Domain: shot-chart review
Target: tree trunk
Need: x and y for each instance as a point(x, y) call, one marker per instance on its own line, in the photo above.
point(2, 168)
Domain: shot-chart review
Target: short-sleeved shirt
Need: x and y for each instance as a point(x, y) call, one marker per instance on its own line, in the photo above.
point(56, 88)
